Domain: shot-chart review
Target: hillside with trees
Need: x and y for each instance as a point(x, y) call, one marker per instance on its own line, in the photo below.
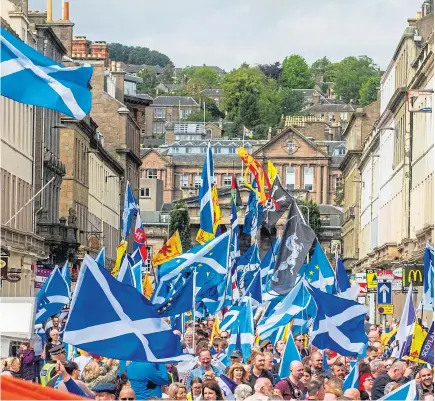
point(138, 55)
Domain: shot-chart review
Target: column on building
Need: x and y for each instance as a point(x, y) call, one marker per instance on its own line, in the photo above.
point(301, 176)
point(298, 174)
point(318, 184)
point(325, 196)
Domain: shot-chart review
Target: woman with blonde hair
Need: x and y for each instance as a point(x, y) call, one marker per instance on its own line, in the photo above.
point(11, 367)
point(95, 374)
point(177, 391)
point(238, 374)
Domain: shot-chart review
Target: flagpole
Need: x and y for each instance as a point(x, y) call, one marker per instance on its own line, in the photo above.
point(243, 143)
point(194, 308)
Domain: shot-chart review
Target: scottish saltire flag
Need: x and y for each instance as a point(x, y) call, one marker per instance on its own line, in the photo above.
point(52, 297)
point(206, 209)
point(254, 290)
point(291, 354)
point(29, 77)
point(234, 251)
point(137, 276)
point(318, 272)
point(297, 300)
point(351, 380)
point(428, 279)
point(140, 240)
point(338, 324)
point(406, 327)
point(243, 261)
point(101, 258)
point(247, 272)
point(301, 324)
point(253, 213)
point(177, 323)
point(123, 324)
point(179, 302)
point(130, 208)
point(210, 261)
point(217, 297)
point(230, 318)
point(125, 274)
point(166, 289)
point(268, 262)
point(407, 392)
point(67, 276)
point(344, 288)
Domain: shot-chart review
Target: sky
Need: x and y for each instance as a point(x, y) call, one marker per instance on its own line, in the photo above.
point(227, 33)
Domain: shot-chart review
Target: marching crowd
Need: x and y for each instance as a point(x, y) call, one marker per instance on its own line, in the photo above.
point(319, 376)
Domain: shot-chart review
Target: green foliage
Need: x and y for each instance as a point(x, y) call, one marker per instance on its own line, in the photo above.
point(149, 81)
point(350, 74)
point(249, 111)
point(167, 75)
point(179, 220)
point(212, 108)
point(137, 55)
point(339, 193)
point(320, 69)
point(271, 70)
point(314, 214)
point(291, 102)
point(269, 104)
point(198, 116)
point(296, 74)
point(198, 79)
point(368, 92)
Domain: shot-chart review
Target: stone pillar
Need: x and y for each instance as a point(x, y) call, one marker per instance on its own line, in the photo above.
point(318, 183)
point(297, 176)
point(301, 176)
point(325, 185)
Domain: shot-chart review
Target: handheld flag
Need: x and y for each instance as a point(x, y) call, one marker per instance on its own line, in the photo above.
point(140, 240)
point(248, 133)
point(29, 77)
point(235, 193)
point(147, 286)
point(136, 269)
point(217, 216)
point(272, 172)
point(427, 349)
point(295, 244)
point(234, 252)
point(344, 287)
point(125, 274)
point(52, 297)
point(428, 281)
point(120, 251)
point(215, 330)
point(130, 208)
point(67, 276)
point(418, 337)
point(122, 325)
point(407, 392)
point(101, 258)
point(170, 250)
point(351, 380)
point(179, 302)
point(291, 354)
point(253, 214)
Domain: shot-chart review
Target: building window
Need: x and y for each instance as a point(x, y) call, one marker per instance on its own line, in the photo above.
point(217, 150)
point(291, 146)
point(177, 137)
point(308, 178)
point(158, 128)
point(188, 150)
point(227, 181)
point(232, 151)
point(185, 113)
point(159, 113)
point(175, 149)
point(290, 178)
point(145, 192)
point(152, 173)
point(208, 132)
point(331, 116)
point(240, 179)
point(343, 116)
point(184, 181)
point(198, 181)
point(340, 151)
point(203, 149)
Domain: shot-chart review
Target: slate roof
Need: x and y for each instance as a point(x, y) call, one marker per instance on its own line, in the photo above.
point(326, 108)
point(330, 209)
point(135, 68)
point(217, 142)
point(212, 92)
point(175, 101)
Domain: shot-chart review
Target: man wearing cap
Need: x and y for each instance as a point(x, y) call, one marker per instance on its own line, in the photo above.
point(57, 353)
point(266, 346)
point(105, 391)
point(235, 357)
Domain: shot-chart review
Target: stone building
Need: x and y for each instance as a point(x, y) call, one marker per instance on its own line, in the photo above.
point(192, 131)
point(84, 49)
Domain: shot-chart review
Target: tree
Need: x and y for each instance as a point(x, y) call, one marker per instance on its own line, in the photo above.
point(149, 81)
point(320, 68)
point(249, 111)
point(368, 92)
point(296, 73)
point(198, 79)
point(271, 70)
point(314, 220)
point(291, 102)
point(137, 55)
point(237, 84)
point(339, 193)
point(212, 108)
point(350, 74)
point(179, 220)
point(167, 75)
point(269, 104)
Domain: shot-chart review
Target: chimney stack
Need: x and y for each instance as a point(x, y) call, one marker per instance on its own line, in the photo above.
point(66, 11)
point(49, 10)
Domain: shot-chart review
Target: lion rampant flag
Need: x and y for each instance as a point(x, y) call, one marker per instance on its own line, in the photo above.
point(122, 247)
point(170, 250)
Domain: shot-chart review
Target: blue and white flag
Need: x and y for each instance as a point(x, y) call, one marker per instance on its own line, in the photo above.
point(217, 297)
point(130, 208)
point(125, 274)
point(247, 271)
point(52, 297)
point(253, 214)
point(67, 276)
point(181, 301)
point(254, 291)
point(339, 323)
point(29, 77)
point(210, 261)
point(230, 319)
point(291, 354)
point(137, 276)
point(407, 392)
point(101, 258)
point(234, 251)
point(268, 262)
point(428, 279)
point(406, 327)
point(318, 272)
point(344, 287)
point(297, 300)
point(123, 324)
point(351, 380)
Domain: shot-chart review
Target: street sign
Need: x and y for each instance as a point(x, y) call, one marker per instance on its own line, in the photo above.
point(412, 274)
point(372, 281)
point(360, 278)
point(397, 282)
point(384, 292)
point(385, 309)
point(385, 275)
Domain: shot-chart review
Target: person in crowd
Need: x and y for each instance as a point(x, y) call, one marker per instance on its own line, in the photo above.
point(11, 367)
point(236, 356)
point(389, 362)
point(352, 393)
point(242, 392)
point(339, 370)
point(127, 394)
point(379, 347)
point(270, 366)
point(224, 335)
point(427, 397)
point(27, 361)
point(73, 370)
point(146, 378)
point(266, 346)
point(238, 374)
point(315, 390)
point(83, 360)
point(263, 389)
point(53, 326)
point(37, 342)
point(334, 385)
point(54, 335)
point(367, 324)
point(426, 385)
point(279, 350)
point(397, 373)
point(48, 371)
point(70, 384)
point(377, 368)
point(371, 353)
point(373, 336)
point(188, 342)
point(211, 390)
point(95, 373)
point(317, 365)
point(219, 345)
point(258, 371)
point(300, 345)
point(172, 373)
point(330, 397)
point(306, 378)
point(391, 387)
point(365, 385)
point(291, 387)
point(195, 389)
point(177, 391)
point(105, 392)
point(205, 366)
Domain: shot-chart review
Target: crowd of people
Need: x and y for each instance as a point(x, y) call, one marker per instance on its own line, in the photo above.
point(319, 375)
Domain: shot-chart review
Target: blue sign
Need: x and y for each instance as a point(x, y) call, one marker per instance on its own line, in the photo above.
point(384, 292)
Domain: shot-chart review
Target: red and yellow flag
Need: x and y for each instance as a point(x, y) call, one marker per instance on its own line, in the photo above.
point(170, 250)
point(147, 286)
point(215, 331)
point(122, 247)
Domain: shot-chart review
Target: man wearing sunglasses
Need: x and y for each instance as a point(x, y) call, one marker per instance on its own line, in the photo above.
point(127, 393)
point(300, 345)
